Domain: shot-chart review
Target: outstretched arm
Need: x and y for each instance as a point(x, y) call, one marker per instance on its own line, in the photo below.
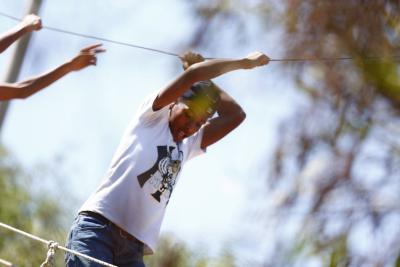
point(28, 24)
point(203, 71)
point(24, 89)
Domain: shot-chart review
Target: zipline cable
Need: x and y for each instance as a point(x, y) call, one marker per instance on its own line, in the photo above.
point(176, 55)
point(95, 37)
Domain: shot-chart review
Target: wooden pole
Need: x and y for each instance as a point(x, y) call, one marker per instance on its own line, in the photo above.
point(17, 60)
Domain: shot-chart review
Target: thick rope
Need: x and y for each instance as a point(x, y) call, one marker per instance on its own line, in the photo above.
point(50, 261)
point(53, 246)
point(6, 263)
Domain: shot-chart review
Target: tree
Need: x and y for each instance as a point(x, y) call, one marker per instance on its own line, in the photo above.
point(39, 213)
point(335, 171)
point(172, 252)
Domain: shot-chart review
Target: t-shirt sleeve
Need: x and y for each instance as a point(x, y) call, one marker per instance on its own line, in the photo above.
point(146, 114)
point(194, 145)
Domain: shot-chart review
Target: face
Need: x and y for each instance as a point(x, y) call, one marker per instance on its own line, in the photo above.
point(184, 122)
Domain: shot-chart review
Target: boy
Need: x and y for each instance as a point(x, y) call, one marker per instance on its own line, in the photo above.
point(24, 89)
point(121, 221)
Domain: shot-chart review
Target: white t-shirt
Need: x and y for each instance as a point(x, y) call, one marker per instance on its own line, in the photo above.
point(137, 187)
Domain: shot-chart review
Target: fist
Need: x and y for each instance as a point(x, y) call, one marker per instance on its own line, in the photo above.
point(256, 59)
point(190, 58)
point(32, 22)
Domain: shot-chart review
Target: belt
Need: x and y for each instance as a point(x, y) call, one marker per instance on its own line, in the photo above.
point(122, 232)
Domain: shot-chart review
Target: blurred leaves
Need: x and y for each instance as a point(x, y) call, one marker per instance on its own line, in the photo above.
point(337, 159)
point(216, 18)
point(40, 214)
point(175, 253)
point(341, 147)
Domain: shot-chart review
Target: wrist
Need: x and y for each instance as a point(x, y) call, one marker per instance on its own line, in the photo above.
point(23, 29)
point(246, 63)
point(67, 66)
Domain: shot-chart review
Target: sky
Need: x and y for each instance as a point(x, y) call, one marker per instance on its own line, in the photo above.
point(79, 120)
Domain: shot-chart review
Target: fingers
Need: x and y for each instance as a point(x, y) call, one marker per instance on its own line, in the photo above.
point(189, 58)
point(93, 61)
point(258, 59)
point(264, 59)
point(88, 57)
point(96, 48)
point(89, 53)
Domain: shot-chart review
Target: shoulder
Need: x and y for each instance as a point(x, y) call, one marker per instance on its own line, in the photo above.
point(146, 112)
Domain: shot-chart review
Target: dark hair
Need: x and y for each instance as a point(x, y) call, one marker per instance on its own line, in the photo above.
point(203, 95)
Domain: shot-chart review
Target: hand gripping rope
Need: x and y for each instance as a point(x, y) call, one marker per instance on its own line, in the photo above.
point(53, 246)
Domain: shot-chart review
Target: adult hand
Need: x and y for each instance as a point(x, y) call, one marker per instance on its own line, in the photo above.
point(32, 22)
point(256, 59)
point(86, 57)
point(189, 58)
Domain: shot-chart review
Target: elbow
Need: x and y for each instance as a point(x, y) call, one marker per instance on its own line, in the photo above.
point(14, 91)
point(23, 91)
point(23, 96)
point(239, 118)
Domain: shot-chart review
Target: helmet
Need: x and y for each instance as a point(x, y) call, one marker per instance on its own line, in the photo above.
point(203, 97)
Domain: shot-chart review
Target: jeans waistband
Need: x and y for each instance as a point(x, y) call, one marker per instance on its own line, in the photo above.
point(122, 232)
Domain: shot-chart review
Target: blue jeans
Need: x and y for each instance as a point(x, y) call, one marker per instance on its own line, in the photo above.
point(102, 240)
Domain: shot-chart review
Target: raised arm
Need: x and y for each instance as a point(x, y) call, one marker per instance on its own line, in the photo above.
point(24, 89)
point(230, 116)
point(203, 71)
point(28, 24)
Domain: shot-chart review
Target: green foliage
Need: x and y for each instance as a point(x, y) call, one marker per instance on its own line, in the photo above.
point(384, 75)
point(340, 149)
point(39, 214)
point(174, 253)
point(170, 254)
point(338, 255)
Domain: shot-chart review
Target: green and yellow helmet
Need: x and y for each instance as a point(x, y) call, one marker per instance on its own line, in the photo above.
point(202, 97)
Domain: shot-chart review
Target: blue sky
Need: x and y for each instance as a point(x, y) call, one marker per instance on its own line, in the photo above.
point(82, 117)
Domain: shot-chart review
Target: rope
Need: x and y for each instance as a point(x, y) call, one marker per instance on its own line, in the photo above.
point(49, 262)
point(53, 246)
point(6, 263)
point(176, 55)
point(331, 59)
point(95, 37)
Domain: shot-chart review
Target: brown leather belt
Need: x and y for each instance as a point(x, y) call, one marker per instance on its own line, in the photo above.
point(122, 232)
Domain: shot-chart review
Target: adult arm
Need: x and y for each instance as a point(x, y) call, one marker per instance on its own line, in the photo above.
point(28, 24)
point(203, 71)
point(24, 89)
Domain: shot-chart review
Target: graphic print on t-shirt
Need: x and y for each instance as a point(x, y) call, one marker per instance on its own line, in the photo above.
point(162, 175)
